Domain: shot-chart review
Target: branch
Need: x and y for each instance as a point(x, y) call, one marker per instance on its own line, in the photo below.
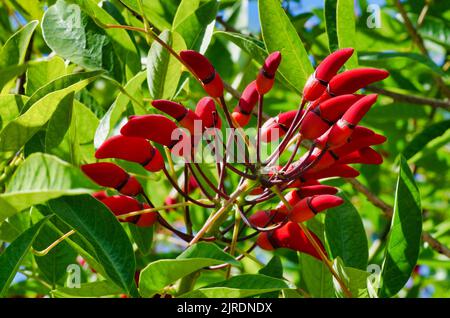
point(388, 211)
point(417, 39)
point(411, 98)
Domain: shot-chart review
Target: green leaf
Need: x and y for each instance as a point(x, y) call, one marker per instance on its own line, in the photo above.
point(40, 178)
point(100, 228)
point(54, 264)
point(13, 256)
point(424, 137)
point(10, 106)
point(280, 35)
point(346, 235)
point(142, 236)
point(316, 277)
point(208, 250)
point(354, 279)
point(88, 290)
point(14, 50)
point(240, 286)
point(73, 35)
point(21, 129)
point(403, 244)
point(161, 273)
point(8, 73)
point(345, 25)
point(12, 54)
point(164, 70)
point(414, 57)
point(330, 24)
point(74, 82)
point(42, 73)
point(255, 50)
point(159, 12)
point(118, 109)
point(196, 28)
point(274, 268)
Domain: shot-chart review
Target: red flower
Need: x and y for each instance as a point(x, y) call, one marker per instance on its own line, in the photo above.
point(266, 76)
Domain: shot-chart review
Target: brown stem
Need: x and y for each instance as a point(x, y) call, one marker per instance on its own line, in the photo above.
point(412, 99)
point(388, 211)
point(417, 39)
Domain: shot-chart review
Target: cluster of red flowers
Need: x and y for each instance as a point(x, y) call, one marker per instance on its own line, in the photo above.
point(326, 122)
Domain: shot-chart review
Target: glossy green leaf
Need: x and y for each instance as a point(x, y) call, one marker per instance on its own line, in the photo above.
point(88, 290)
point(280, 35)
point(160, 12)
point(72, 34)
point(345, 27)
point(10, 107)
point(403, 243)
point(13, 256)
point(330, 24)
point(157, 275)
point(42, 73)
point(142, 236)
point(14, 50)
point(12, 54)
point(40, 178)
point(208, 250)
point(255, 50)
point(164, 70)
point(196, 28)
point(424, 137)
point(98, 226)
point(21, 129)
point(274, 268)
point(346, 235)
point(354, 279)
point(240, 286)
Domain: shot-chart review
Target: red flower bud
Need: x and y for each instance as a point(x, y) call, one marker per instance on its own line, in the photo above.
point(307, 208)
point(303, 183)
point(326, 70)
point(246, 104)
point(241, 118)
point(156, 128)
point(203, 69)
point(100, 195)
point(277, 127)
point(266, 218)
point(110, 175)
point(133, 149)
point(184, 116)
point(289, 236)
point(266, 76)
point(120, 204)
point(364, 155)
point(336, 170)
point(206, 110)
point(295, 196)
point(339, 133)
point(349, 82)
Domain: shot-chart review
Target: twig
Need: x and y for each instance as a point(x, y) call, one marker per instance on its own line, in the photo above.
point(53, 245)
point(388, 211)
point(411, 98)
point(417, 39)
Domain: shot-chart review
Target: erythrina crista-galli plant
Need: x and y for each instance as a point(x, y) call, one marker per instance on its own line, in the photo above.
point(170, 148)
